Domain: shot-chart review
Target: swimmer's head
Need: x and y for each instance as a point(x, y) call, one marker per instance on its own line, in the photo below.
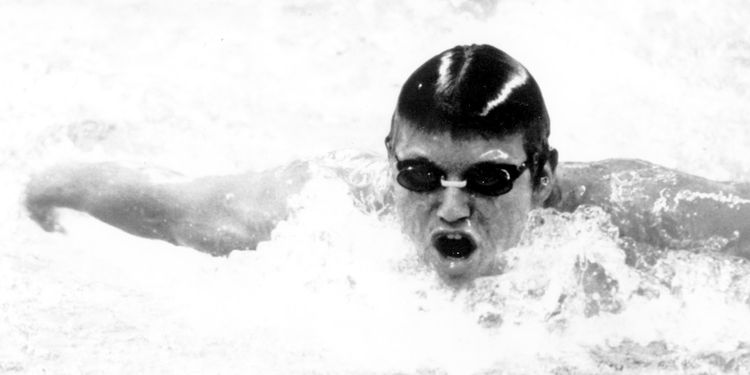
point(469, 159)
point(475, 91)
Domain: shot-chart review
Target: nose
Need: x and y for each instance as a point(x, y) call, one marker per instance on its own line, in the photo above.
point(454, 206)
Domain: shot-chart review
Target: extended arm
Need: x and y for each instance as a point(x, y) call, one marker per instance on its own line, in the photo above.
point(213, 214)
point(659, 206)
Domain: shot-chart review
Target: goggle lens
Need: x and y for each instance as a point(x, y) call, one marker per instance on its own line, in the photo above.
point(489, 179)
point(419, 177)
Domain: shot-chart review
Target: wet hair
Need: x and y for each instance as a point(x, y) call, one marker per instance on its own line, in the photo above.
point(476, 90)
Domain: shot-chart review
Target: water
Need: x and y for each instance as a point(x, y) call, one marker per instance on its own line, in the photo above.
point(222, 88)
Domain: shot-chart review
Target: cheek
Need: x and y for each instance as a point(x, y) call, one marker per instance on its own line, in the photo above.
point(505, 217)
point(413, 211)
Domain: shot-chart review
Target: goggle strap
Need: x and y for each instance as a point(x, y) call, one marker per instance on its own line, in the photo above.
point(457, 184)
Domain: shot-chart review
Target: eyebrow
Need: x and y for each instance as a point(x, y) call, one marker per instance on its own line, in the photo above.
point(401, 163)
point(495, 155)
point(414, 160)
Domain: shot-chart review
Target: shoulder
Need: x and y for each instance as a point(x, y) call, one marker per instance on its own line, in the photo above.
point(365, 173)
point(611, 181)
point(630, 182)
point(267, 192)
point(598, 169)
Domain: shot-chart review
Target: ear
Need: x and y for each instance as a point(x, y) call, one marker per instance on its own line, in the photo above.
point(547, 191)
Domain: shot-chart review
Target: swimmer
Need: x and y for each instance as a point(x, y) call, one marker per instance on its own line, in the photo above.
point(467, 160)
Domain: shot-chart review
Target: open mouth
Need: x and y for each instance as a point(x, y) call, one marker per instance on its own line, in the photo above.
point(454, 245)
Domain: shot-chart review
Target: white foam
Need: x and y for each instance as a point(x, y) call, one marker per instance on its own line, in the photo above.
point(335, 291)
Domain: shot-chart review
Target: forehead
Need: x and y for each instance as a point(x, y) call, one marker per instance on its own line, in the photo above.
point(445, 149)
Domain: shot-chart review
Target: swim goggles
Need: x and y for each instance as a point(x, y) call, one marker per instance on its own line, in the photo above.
point(486, 178)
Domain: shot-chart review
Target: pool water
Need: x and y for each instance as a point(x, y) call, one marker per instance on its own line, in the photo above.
point(221, 88)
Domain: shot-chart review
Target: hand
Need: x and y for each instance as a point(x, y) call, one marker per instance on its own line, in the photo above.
point(45, 216)
point(44, 192)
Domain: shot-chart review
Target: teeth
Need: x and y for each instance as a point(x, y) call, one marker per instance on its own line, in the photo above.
point(454, 236)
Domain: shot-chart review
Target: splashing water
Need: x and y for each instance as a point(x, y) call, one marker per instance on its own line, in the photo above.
point(336, 290)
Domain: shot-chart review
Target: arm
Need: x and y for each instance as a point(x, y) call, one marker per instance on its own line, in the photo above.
point(212, 214)
point(659, 206)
